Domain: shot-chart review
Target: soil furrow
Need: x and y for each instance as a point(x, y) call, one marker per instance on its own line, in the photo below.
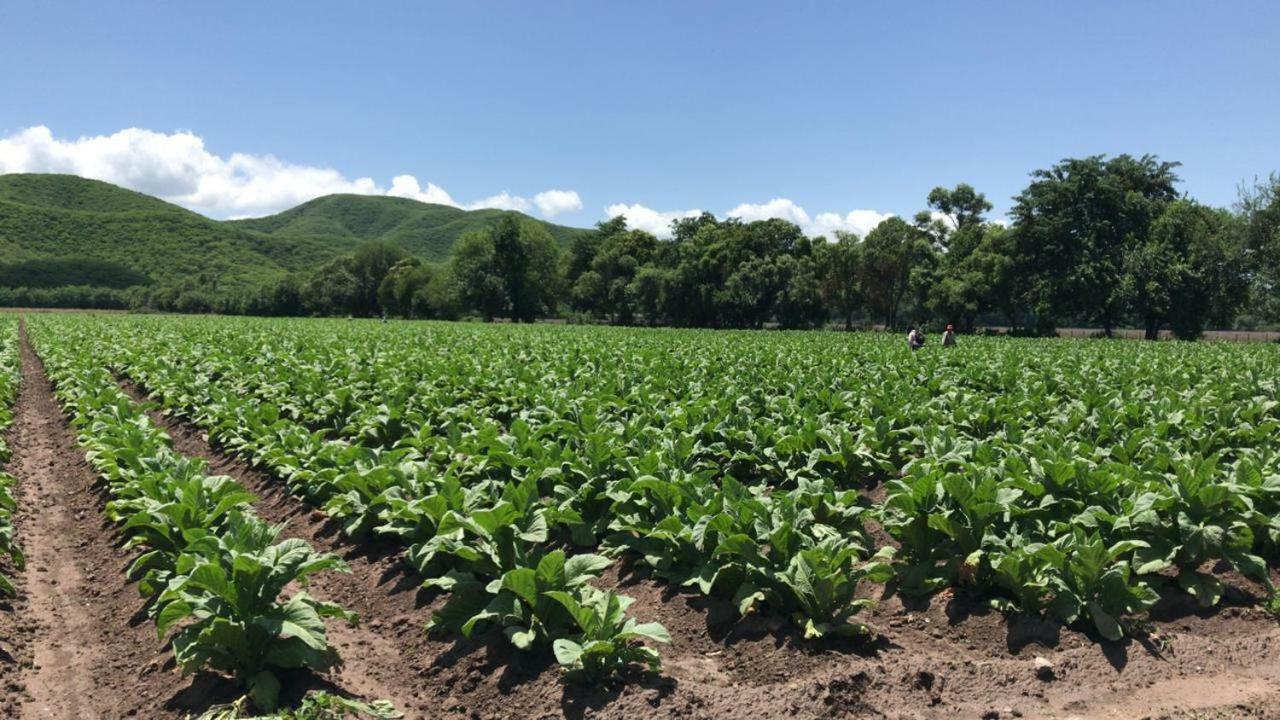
point(88, 651)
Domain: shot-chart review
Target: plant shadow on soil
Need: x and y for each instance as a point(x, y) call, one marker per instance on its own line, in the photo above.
point(396, 577)
point(208, 689)
point(1027, 629)
point(489, 654)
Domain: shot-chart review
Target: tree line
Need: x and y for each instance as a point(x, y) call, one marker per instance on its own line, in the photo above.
point(1104, 242)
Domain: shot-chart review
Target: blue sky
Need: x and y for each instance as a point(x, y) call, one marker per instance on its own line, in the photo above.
point(826, 107)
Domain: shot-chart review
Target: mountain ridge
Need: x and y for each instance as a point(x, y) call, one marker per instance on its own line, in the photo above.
point(65, 230)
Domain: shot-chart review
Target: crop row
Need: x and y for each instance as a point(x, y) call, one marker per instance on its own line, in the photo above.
point(1073, 479)
point(799, 551)
point(514, 577)
point(10, 379)
point(220, 583)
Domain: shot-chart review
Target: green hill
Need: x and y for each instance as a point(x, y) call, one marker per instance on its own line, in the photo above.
point(428, 231)
point(63, 230)
point(69, 192)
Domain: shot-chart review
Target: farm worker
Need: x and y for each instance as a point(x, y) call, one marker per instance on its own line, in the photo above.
point(949, 337)
point(915, 339)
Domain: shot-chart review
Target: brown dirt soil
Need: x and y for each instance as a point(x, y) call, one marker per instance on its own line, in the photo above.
point(79, 643)
point(942, 658)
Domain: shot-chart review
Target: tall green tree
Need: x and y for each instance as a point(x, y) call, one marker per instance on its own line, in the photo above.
point(749, 296)
point(954, 214)
point(649, 288)
point(957, 289)
point(333, 289)
point(963, 206)
point(395, 293)
point(1188, 272)
point(839, 265)
point(996, 274)
point(890, 255)
point(798, 303)
point(369, 266)
point(605, 288)
point(1259, 208)
point(1075, 224)
point(511, 268)
point(479, 287)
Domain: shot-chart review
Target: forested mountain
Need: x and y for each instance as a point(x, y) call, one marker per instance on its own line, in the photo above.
point(59, 231)
point(425, 230)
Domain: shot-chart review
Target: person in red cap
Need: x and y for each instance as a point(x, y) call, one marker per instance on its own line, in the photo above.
point(949, 337)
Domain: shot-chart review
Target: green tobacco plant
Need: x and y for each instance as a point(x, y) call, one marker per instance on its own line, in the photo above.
point(8, 548)
point(10, 378)
point(217, 574)
point(823, 582)
point(486, 542)
point(170, 512)
point(610, 642)
point(225, 603)
point(1078, 577)
point(1199, 518)
point(948, 524)
point(520, 602)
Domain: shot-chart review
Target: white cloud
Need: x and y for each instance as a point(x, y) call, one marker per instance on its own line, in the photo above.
point(640, 217)
point(177, 167)
point(502, 201)
point(779, 208)
point(553, 202)
point(406, 186)
point(827, 223)
point(859, 222)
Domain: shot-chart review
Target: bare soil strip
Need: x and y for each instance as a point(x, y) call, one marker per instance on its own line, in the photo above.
point(937, 659)
point(84, 649)
point(16, 631)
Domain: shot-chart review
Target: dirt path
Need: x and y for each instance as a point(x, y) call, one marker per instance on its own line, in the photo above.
point(85, 651)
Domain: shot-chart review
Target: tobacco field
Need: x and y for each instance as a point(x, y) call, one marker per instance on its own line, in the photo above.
point(461, 520)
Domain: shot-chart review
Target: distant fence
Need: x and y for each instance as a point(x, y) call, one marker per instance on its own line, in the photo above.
point(1138, 334)
point(1126, 333)
point(87, 311)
